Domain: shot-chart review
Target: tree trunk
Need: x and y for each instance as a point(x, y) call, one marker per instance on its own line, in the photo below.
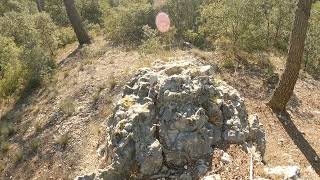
point(76, 23)
point(40, 5)
point(290, 76)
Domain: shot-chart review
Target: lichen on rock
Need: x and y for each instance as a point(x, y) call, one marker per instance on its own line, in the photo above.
point(169, 116)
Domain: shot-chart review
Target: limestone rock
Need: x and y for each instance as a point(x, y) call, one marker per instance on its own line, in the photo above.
point(174, 113)
point(288, 172)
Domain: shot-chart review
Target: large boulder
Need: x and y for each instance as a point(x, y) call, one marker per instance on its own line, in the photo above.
point(170, 116)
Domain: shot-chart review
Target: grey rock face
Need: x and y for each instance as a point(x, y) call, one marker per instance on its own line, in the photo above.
point(172, 115)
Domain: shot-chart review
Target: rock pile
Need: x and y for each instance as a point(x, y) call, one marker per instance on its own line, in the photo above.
point(169, 118)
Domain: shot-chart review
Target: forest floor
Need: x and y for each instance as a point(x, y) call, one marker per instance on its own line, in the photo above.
point(56, 130)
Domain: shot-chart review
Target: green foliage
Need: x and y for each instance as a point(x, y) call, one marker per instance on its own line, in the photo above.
point(151, 41)
point(34, 145)
point(183, 14)
point(17, 6)
point(312, 48)
point(66, 36)
point(56, 10)
point(123, 24)
point(90, 10)
point(11, 69)
point(195, 38)
point(228, 64)
point(6, 130)
point(248, 24)
point(4, 147)
point(47, 32)
point(34, 39)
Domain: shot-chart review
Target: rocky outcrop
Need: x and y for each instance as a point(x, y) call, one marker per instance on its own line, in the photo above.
point(170, 116)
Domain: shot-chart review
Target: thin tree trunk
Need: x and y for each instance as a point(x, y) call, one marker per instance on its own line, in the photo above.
point(40, 5)
point(290, 76)
point(76, 23)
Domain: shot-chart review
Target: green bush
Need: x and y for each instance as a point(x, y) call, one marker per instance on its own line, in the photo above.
point(123, 24)
point(36, 37)
point(195, 38)
point(17, 6)
point(47, 32)
point(66, 36)
point(90, 10)
point(151, 41)
point(11, 69)
point(250, 25)
point(183, 14)
point(56, 10)
point(312, 47)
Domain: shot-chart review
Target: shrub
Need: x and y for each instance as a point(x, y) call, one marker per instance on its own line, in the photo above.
point(228, 64)
point(195, 38)
point(5, 146)
point(90, 10)
point(12, 80)
point(57, 12)
point(312, 48)
point(47, 32)
point(11, 69)
point(6, 130)
point(151, 40)
point(18, 155)
point(123, 25)
point(183, 14)
point(36, 37)
point(66, 36)
point(63, 140)
point(34, 145)
point(67, 106)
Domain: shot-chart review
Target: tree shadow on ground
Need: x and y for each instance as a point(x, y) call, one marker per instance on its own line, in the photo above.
point(65, 60)
point(300, 141)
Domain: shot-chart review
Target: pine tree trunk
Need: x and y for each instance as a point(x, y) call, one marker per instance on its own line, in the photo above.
point(76, 23)
point(290, 76)
point(40, 5)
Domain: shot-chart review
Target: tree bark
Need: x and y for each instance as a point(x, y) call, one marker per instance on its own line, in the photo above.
point(284, 91)
point(40, 5)
point(76, 23)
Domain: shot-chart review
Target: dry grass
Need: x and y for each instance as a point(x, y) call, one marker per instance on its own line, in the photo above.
point(67, 106)
point(65, 74)
point(7, 129)
point(228, 64)
point(2, 166)
point(37, 126)
point(63, 140)
point(5, 146)
point(201, 54)
point(34, 145)
point(18, 155)
point(112, 83)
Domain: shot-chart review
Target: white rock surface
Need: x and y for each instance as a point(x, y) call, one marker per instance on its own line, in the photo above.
point(173, 113)
point(288, 172)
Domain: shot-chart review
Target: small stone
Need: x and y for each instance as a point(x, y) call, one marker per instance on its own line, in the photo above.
point(212, 177)
point(226, 158)
point(288, 172)
point(185, 167)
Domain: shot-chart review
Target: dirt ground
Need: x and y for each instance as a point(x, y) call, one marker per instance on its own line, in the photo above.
point(58, 128)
